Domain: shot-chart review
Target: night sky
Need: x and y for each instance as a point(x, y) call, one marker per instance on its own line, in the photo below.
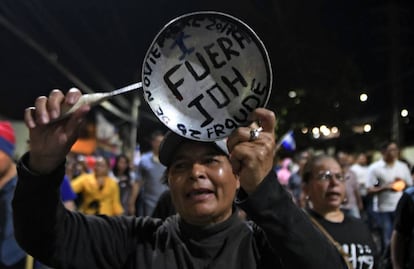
point(327, 51)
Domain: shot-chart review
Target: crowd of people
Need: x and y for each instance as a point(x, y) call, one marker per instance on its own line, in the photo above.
point(365, 193)
point(191, 204)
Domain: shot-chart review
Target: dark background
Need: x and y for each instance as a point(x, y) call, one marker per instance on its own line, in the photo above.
point(328, 51)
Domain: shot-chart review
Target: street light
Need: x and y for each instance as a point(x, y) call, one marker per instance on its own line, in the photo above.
point(363, 97)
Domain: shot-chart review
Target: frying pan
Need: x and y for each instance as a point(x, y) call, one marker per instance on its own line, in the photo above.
point(204, 73)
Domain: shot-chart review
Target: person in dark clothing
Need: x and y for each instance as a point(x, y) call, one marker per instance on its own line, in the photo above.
point(205, 178)
point(164, 207)
point(11, 254)
point(324, 187)
point(402, 239)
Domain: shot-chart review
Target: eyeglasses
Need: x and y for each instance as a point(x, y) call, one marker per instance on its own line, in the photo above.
point(328, 175)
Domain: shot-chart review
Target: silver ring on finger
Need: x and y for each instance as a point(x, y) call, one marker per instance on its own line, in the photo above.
point(255, 133)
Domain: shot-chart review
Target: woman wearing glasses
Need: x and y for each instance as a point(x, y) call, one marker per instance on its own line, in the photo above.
point(324, 188)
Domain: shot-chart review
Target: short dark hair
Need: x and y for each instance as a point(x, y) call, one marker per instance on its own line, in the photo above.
point(384, 145)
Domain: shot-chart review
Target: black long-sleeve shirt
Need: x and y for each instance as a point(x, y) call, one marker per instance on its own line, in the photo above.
point(279, 235)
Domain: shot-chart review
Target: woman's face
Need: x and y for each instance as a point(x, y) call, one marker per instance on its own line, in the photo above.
point(202, 183)
point(101, 167)
point(326, 186)
point(122, 164)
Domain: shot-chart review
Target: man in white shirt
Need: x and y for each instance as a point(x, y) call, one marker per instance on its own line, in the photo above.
point(360, 168)
point(386, 180)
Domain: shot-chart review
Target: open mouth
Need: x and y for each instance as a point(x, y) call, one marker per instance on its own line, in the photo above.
point(199, 193)
point(333, 194)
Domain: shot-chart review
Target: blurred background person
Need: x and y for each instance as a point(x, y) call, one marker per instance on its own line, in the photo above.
point(149, 187)
point(11, 255)
point(76, 166)
point(352, 204)
point(360, 168)
point(67, 194)
point(126, 178)
point(295, 180)
point(324, 187)
point(100, 192)
point(387, 178)
point(284, 172)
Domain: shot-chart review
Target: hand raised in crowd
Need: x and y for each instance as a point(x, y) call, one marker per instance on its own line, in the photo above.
point(252, 159)
point(50, 140)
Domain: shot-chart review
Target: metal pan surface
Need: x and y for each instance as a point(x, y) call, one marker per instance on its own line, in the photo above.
point(204, 73)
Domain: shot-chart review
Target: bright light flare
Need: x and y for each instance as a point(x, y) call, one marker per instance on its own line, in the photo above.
point(367, 128)
point(363, 97)
point(292, 94)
